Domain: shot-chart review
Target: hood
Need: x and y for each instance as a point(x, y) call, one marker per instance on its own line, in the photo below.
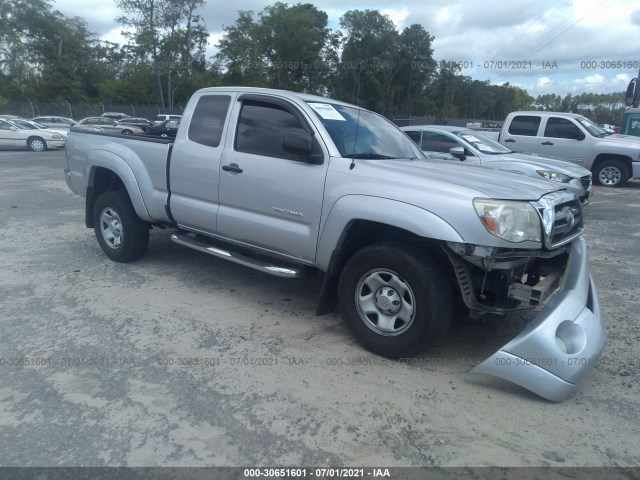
point(629, 140)
point(539, 161)
point(444, 175)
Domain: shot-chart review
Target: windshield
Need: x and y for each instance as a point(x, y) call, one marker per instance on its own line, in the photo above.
point(363, 134)
point(591, 127)
point(482, 143)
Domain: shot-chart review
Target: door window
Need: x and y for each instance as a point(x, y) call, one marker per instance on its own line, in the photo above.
point(562, 128)
point(435, 142)
point(414, 135)
point(262, 128)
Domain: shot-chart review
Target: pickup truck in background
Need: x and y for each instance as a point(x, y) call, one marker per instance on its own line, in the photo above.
point(613, 159)
point(290, 184)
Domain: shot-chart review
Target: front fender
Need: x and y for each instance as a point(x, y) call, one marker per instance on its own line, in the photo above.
point(402, 215)
point(116, 164)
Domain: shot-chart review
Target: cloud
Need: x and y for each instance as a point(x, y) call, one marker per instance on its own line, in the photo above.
point(396, 15)
point(544, 82)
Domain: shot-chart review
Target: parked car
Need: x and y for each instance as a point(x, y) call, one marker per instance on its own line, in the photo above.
point(475, 148)
point(165, 129)
point(109, 125)
point(13, 135)
point(136, 121)
point(163, 116)
point(30, 124)
point(289, 184)
point(54, 121)
point(115, 115)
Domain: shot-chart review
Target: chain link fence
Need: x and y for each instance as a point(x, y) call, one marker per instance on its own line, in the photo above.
point(78, 111)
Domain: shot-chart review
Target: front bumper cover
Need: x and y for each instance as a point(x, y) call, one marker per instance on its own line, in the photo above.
point(562, 343)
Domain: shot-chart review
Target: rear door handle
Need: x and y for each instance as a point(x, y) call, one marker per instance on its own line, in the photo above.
point(510, 140)
point(546, 143)
point(232, 167)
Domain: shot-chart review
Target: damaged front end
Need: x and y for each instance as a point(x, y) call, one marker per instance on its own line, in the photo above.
point(565, 339)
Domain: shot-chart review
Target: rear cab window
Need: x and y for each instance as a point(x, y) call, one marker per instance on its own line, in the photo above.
point(207, 121)
point(525, 125)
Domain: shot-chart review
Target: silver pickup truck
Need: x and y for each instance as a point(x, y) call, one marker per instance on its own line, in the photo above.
point(613, 159)
point(289, 183)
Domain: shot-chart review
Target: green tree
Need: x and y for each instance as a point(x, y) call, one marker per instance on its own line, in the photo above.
point(241, 54)
point(165, 33)
point(368, 63)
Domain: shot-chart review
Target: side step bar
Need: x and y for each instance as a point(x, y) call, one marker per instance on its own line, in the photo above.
point(235, 257)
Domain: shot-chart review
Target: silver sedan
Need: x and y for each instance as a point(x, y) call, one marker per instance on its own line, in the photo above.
point(474, 148)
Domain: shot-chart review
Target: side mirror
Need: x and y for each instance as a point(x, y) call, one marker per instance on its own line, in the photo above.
point(579, 135)
point(300, 143)
point(458, 152)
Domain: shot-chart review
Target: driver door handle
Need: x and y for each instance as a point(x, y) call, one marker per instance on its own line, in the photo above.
point(510, 140)
point(546, 143)
point(232, 167)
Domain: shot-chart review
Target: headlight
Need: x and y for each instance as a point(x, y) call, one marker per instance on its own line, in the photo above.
point(512, 221)
point(554, 176)
point(56, 137)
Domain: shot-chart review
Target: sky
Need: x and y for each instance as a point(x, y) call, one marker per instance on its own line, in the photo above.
point(543, 46)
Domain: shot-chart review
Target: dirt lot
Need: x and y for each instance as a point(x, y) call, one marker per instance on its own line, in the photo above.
point(111, 379)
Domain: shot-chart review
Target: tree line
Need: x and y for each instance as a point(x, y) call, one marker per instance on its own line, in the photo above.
point(46, 56)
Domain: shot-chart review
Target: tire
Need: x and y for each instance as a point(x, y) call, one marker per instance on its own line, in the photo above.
point(127, 132)
point(611, 173)
point(121, 234)
point(395, 299)
point(36, 144)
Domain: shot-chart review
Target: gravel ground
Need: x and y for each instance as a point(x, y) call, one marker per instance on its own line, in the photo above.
point(111, 379)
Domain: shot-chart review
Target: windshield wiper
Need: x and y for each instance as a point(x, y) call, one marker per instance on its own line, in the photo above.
point(374, 156)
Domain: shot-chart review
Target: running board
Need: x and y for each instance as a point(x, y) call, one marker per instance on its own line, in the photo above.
point(235, 257)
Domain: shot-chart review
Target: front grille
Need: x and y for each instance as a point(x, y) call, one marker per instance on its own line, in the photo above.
point(561, 215)
point(567, 223)
point(586, 182)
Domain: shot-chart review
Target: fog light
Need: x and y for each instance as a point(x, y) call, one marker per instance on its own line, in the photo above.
point(570, 337)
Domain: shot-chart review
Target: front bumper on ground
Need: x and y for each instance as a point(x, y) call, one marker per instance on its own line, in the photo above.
point(55, 144)
point(562, 343)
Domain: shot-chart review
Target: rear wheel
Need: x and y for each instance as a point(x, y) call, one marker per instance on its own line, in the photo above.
point(37, 144)
point(121, 234)
point(611, 173)
point(395, 299)
point(127, 132)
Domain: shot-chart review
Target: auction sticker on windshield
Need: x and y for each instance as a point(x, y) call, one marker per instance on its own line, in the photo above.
point(327, 111)
point(471, 138)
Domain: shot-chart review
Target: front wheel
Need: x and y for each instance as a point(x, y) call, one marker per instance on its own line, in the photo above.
point(37, 144)
point(395, 299)
point(120, 232)
point(611, 173)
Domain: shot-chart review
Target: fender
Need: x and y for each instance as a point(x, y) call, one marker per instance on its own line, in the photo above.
point(111, 161)
point(394, 213)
